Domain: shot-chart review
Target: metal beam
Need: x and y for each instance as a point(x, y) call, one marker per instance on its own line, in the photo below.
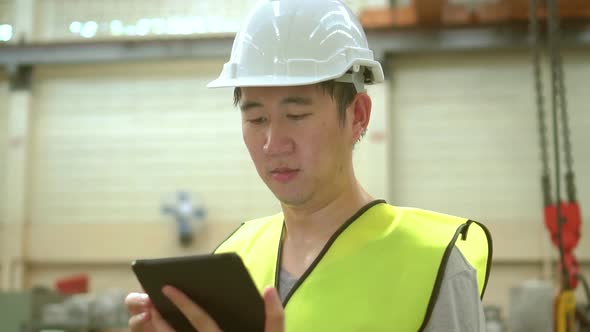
point(422, 40)
point(496, 37)
point(114, 51)
point(384, 42)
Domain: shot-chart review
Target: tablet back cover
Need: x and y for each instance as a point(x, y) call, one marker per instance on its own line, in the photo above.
point(220, 284)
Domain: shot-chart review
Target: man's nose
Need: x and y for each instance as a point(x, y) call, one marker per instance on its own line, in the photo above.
point(278, 141)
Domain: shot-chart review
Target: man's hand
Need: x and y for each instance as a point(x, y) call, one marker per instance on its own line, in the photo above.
point(147, 319)
point(139, 306)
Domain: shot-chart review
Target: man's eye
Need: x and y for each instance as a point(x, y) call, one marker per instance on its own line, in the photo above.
point(259, 120)
point(298, 116)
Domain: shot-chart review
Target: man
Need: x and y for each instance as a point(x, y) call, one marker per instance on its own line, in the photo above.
point(340, 259)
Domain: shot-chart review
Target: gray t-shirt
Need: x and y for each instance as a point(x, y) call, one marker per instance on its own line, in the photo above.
point(458, 307)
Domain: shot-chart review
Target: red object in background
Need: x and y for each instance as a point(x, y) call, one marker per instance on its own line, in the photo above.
point(570, 211)
point(445, 12)
point(570, 235)
point(74, 284)
point(572, 267)
point(428, 12)
point(386, 18)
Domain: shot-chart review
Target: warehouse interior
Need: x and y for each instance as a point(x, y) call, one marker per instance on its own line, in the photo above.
point(112, 148)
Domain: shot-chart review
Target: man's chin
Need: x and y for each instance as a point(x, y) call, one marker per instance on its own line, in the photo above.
point(290, 200)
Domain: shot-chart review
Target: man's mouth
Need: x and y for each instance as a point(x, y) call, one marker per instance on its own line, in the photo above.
point(284, 174)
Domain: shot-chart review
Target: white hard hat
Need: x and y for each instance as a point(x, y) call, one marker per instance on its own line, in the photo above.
point(300, 42)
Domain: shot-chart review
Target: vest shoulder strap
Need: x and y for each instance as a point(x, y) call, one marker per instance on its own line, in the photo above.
point(249, 230)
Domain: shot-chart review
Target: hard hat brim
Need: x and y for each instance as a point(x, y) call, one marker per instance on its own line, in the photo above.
point(283, 80)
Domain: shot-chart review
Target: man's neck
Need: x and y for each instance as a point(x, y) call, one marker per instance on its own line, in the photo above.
point(309, 228)
point(317, 222)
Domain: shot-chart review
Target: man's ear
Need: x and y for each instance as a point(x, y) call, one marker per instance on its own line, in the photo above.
point(361, 114)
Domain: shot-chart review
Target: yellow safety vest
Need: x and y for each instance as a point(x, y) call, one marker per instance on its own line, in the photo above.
point(381, 271)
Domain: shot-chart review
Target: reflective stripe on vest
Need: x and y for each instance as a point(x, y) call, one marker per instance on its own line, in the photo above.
point(380, 272)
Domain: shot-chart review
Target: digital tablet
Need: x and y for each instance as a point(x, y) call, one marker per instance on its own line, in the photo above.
point(220, 284)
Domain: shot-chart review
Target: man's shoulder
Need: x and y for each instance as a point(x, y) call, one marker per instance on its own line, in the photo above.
point(423, 214)
point(250, 230)
point(258, 224)
point(458, 266)
point(458, 306)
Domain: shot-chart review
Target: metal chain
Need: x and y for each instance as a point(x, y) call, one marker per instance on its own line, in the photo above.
point(553, 30)
point(564, 115)
point(558, 81)
point(567, 146)
point(553, 27)
point(536, 54)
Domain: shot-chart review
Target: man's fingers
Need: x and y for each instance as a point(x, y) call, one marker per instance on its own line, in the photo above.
point(273, 309)
point(137, 303)
point(137, 321)
point(195, 314)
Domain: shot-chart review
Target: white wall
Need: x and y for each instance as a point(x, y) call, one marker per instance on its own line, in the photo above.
point(577, 73)
point(4, 102)
point(112, 142)
point(4, 94)
point(6, 11)
point(464, 134)
point(370, 153)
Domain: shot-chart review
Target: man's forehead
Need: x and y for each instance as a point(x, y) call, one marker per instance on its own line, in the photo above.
point(304, 95)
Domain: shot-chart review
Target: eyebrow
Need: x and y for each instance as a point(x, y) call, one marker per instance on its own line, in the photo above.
point(294, 100)
point(247, 105)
